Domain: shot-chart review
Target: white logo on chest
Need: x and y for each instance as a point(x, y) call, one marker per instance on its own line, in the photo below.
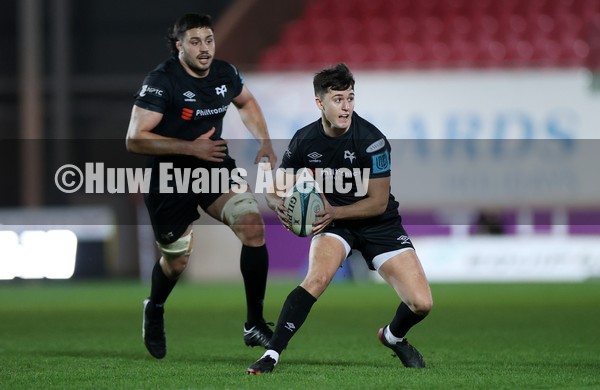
point(349, 155)
point(221, 90)
point(190, 96)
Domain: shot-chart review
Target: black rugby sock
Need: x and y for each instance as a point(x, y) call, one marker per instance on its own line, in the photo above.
point(403, 321)
point(293, 314)
point(254, 263)
point(161, 285)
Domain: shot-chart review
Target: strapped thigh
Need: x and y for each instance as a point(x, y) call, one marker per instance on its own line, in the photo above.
point(180, 247)
point(237, 206)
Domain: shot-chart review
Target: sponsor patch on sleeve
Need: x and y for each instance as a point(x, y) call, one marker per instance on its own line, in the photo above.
point(381, 162)
point(148, 89)
point(375, 146)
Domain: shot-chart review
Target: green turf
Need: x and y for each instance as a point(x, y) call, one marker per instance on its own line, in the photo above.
point(81, 336)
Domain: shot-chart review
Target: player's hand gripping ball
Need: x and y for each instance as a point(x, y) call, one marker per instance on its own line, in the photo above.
point(301, 205)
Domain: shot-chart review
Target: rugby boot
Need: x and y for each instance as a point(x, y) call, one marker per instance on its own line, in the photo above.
point(153, 330)
point(258, 335)
point(409, 356)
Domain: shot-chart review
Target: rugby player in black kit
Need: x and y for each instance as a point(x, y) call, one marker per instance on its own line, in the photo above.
point(342, 141)
point(177, 119)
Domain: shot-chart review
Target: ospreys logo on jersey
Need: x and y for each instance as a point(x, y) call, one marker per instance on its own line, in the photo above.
point(349, 155)
point(221, 90)
point(381, 162)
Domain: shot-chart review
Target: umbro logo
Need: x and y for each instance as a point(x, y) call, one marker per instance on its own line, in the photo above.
point(189, 96)
point(167, 236)
point(404, 240)
point(314, 157)
point(290, 326)
point(221, 90)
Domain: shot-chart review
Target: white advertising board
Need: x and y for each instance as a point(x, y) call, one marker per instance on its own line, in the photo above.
point(463, 139)
point(504, 259)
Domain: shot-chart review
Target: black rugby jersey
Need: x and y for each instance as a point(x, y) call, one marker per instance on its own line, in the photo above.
point(362, 146)
point(191, 106)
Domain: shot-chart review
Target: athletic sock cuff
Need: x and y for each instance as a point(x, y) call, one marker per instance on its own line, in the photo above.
point(273, 354)
point(303, 297)
point(254, 248)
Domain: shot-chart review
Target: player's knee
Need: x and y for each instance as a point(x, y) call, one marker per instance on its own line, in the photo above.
point(421, 305)
point(176, 266)
point(250, 229)
point(250, 219)
point(251, 233)
point(316, 284)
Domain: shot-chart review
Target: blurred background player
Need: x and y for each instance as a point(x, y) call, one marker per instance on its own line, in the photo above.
point(177, 118)
point(371, 223)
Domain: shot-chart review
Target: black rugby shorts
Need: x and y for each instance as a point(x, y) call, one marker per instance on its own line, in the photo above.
point(172, 213)
point(374, 236)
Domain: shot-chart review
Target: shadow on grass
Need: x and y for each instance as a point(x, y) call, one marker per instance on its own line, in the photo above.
point(86, 354)
point(175, 358)
point(294, 361)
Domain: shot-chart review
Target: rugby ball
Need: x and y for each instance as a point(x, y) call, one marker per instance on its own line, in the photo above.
point(301, 205)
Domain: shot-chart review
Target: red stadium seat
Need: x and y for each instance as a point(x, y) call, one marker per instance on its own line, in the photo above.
point(463, 53)
point(403, 28)
point(593, 37)
point(440, 33)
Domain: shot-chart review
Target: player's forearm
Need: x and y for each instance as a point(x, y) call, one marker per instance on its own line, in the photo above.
point(141, 140)
point(157, 145)
point(254, 120)
point(273, 200)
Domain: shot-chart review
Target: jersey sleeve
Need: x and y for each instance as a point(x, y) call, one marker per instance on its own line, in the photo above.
point(292, 156)
point(154, 94)
point(376, 155)
point(237, 81)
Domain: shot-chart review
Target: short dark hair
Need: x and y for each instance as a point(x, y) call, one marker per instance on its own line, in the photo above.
point(337, 78)
point(185, 23)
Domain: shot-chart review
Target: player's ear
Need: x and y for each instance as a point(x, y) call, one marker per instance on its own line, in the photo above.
point(178, 45)
point(319, 103)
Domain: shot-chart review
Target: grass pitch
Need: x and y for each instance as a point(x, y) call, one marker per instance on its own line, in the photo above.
point(81, 336)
